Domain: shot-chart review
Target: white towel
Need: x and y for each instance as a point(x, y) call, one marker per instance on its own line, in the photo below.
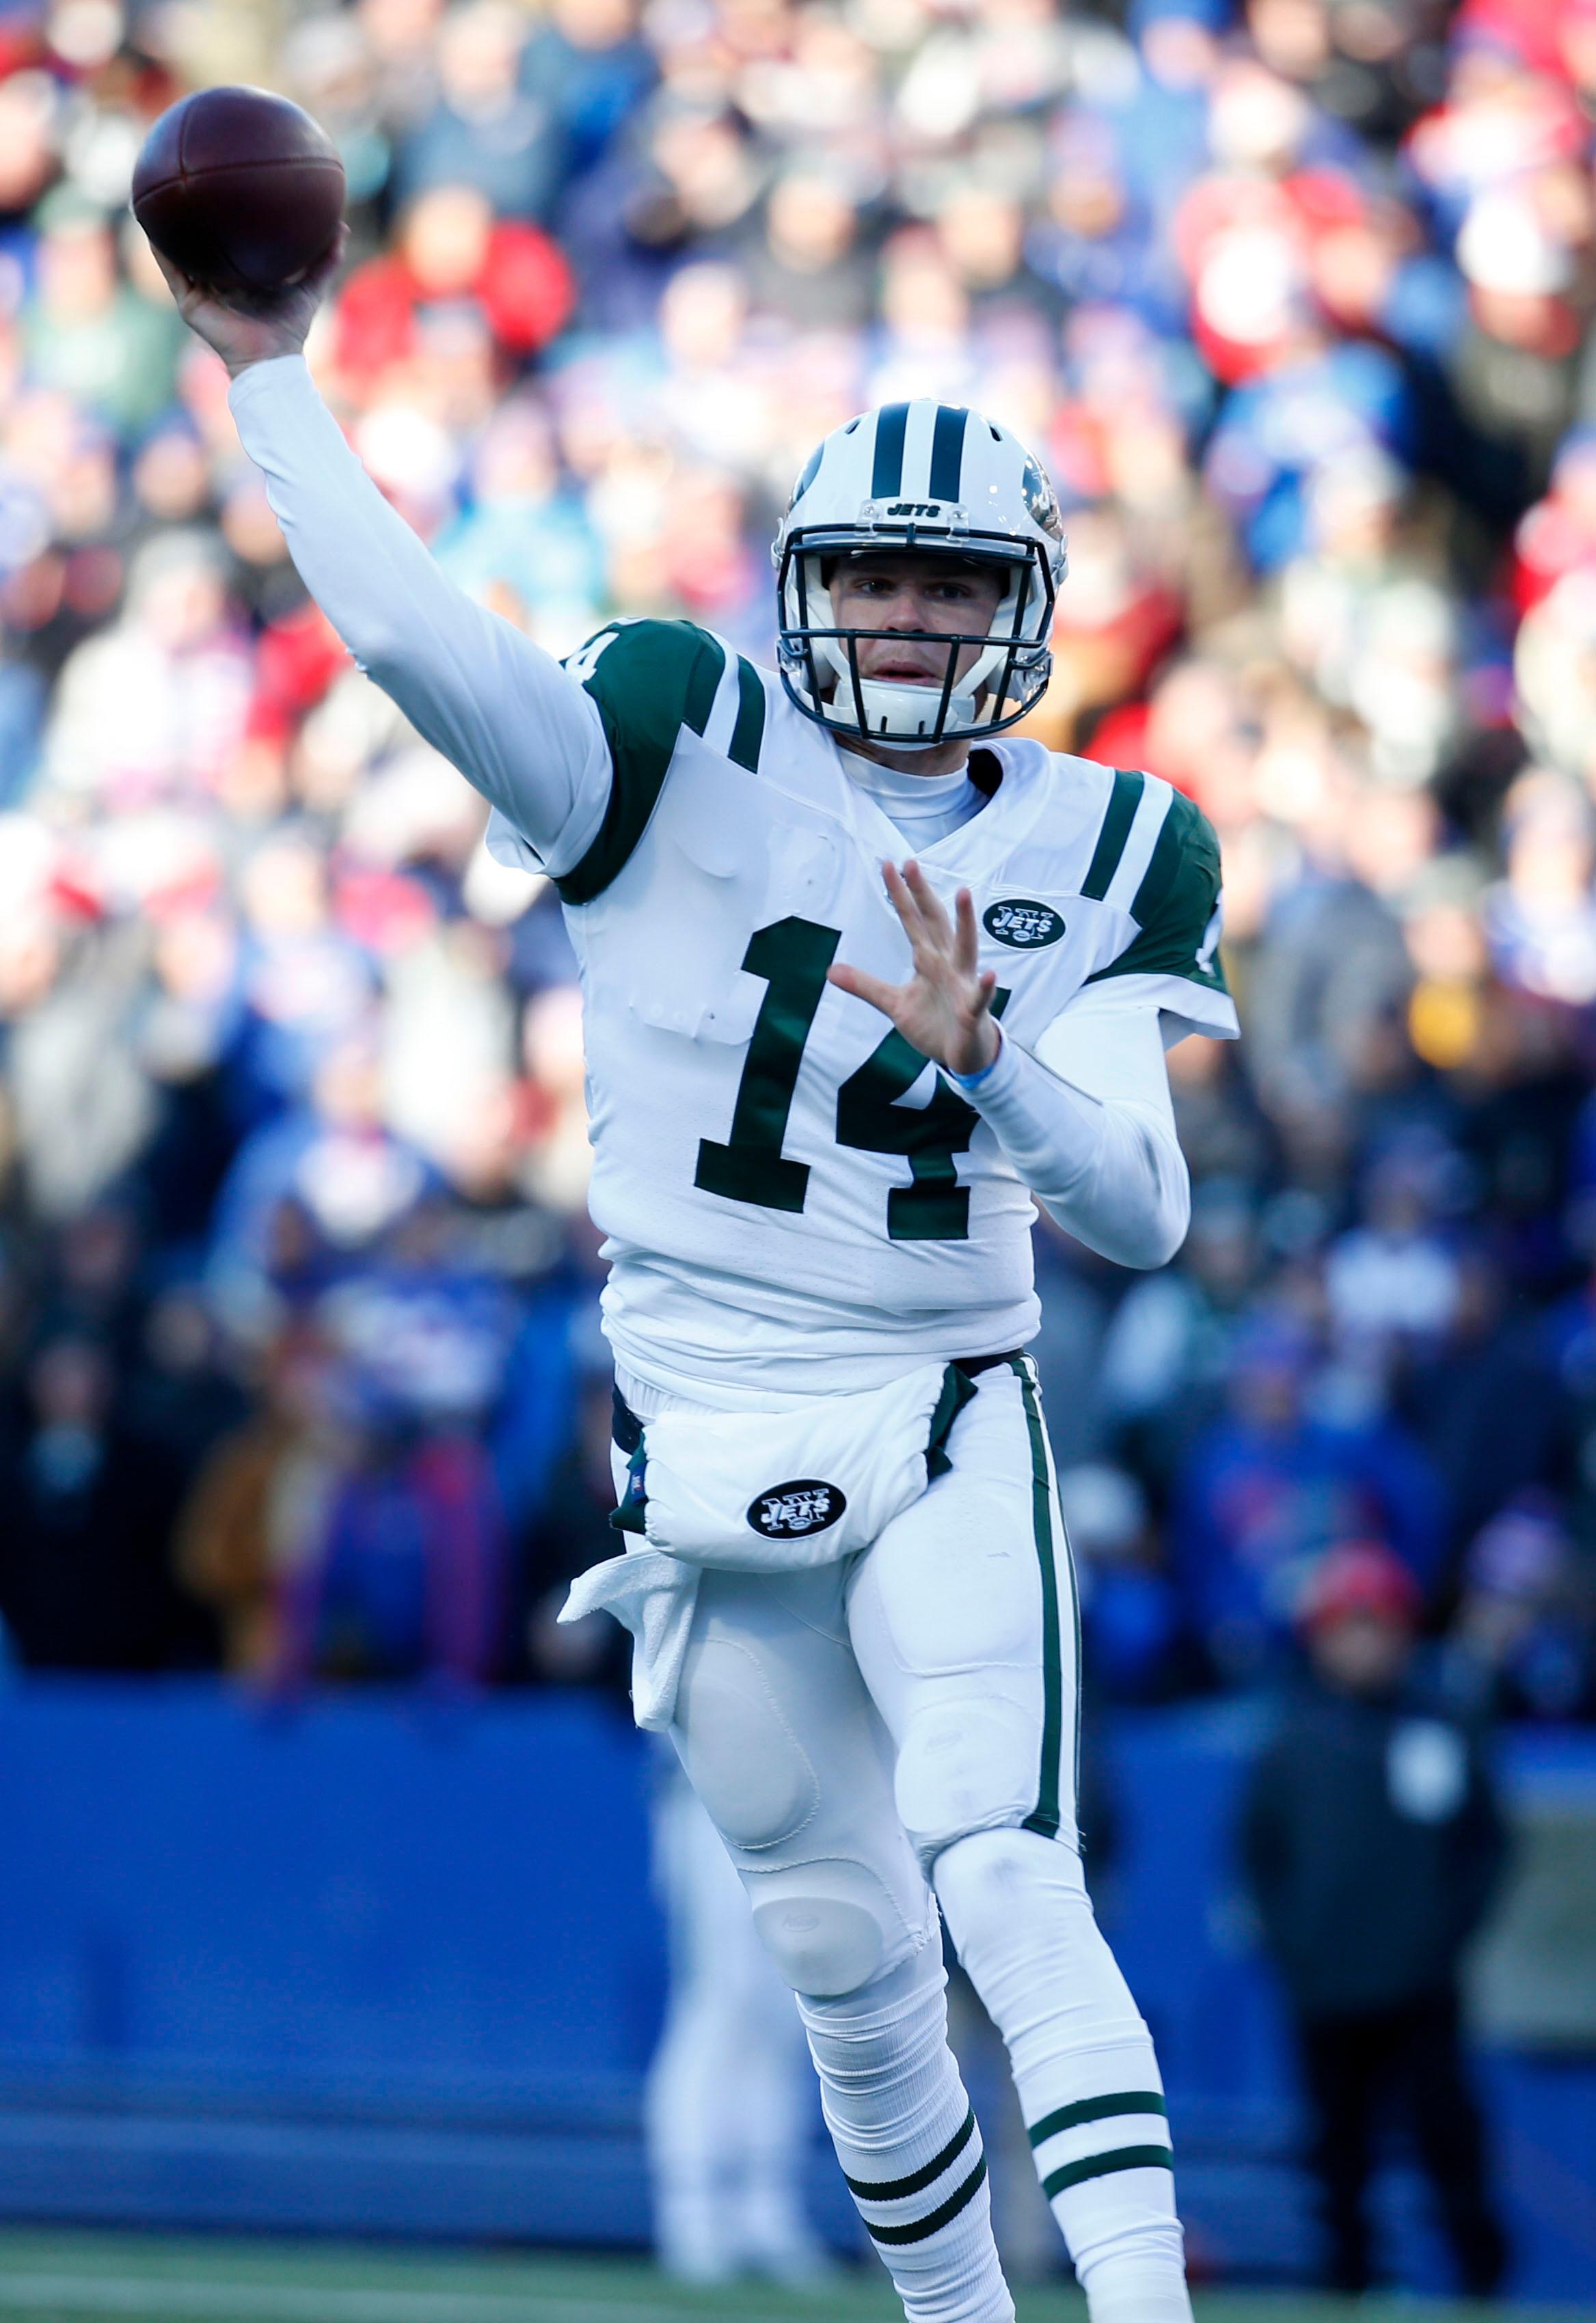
point(760, 1492)
point(651, 1593)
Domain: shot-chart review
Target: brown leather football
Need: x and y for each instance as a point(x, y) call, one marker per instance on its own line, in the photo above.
point(240, 189)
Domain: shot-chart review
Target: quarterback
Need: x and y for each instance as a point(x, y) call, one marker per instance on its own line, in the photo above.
point(861, 977)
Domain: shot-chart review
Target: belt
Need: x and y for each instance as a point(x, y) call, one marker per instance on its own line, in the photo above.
point(626, 1430)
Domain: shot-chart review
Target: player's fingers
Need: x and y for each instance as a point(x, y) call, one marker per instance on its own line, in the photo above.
point(183, 290)
point(874, 989)
point(904, 902)
point(966, 952)
point(939, 926)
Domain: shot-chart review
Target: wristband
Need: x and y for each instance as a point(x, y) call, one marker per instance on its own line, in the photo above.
point(974, 1080)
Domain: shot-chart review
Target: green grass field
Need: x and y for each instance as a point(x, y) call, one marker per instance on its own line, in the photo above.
point(60, 2278)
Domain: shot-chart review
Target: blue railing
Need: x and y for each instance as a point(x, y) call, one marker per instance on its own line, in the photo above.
point(389, 1962)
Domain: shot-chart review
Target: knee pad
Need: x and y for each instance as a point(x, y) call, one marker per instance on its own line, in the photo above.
point(830, 1927)
point(962, 1767)
point(741, 1756)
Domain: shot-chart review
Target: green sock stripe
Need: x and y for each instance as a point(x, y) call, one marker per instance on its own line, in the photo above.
point(1075, 2117)
point(894, 2189)
point(1123, 800)
point(1104, 2165)
point(919, 2230)
point(1045, 1817)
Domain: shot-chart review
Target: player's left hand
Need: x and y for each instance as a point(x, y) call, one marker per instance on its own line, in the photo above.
point(945, 1009)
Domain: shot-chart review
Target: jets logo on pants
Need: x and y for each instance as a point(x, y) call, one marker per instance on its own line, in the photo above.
point(789, 1512)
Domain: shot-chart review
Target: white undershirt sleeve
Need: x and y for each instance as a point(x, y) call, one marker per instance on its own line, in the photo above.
point(1088, 1122)
point(496, 706)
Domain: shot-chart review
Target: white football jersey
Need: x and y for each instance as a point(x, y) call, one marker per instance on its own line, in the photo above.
point(753, 1125)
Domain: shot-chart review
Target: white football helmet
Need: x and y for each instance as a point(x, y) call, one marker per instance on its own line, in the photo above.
point(934, 478)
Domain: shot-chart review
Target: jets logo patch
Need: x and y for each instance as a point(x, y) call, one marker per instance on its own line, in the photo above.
point(1042, 501)
point(1023, 925)
point(791, 1511)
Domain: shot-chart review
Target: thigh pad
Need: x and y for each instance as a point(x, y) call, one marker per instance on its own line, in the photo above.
point(966, 1762)
point(740, 1751)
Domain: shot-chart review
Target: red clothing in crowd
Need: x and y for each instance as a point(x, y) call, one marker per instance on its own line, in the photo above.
point(525, 292)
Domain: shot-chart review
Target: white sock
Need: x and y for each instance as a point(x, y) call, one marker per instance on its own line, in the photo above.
point(1083, 2063)
point(907, 2140)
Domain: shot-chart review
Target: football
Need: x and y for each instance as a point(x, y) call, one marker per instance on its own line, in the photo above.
point(240, 189)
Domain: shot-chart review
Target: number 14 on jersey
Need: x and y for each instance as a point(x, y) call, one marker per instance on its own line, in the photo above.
point(791, 958)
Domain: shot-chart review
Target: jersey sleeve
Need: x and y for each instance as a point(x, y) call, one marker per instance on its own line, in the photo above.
point(1172, 957)
point(494, 703)
point(649, 682)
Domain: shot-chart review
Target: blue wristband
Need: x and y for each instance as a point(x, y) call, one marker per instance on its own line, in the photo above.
point(974, 1080)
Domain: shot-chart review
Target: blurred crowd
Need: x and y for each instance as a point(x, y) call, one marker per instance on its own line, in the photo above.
point(299, 1371)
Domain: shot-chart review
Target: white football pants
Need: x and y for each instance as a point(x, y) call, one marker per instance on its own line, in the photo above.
point(913, 1711)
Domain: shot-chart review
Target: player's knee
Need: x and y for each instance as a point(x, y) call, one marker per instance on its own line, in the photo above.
point(991, 1883)
point(741, 1757)
point(964, 1767)
point(829, 1927)
point(1018, 1912)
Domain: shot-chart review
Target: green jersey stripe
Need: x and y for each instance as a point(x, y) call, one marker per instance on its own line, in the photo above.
point(651, 680)
point(1174, 906)
point(1088, 2109)
point(1123, 800)
point(704, 681)
point(1104, 2165)
point(1163, 864)
point(749, 731)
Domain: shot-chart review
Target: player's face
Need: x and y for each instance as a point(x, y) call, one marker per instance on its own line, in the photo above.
point(894, 594)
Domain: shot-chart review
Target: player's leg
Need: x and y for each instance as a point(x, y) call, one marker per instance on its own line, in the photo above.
point(783, 1745)
point(963, 1619)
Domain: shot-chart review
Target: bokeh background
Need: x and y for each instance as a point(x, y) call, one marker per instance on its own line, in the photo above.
point(312, 1827)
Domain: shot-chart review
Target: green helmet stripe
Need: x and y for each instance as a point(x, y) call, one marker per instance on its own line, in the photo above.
point(886, 476)
point(947, 459)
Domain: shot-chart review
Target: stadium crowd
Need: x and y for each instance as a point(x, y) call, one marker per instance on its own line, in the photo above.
point(298, 1331)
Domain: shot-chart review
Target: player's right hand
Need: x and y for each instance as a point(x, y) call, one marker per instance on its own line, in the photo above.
point(945, 1009)
point(245, 334)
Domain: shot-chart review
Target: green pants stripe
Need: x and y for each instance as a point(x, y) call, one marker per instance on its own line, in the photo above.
point(1047, 1815)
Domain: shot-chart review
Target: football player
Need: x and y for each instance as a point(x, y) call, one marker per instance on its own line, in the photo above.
point(860, 978)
